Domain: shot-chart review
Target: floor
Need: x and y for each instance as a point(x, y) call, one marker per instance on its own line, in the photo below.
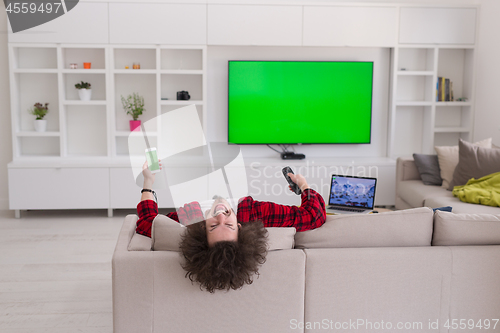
point(55, 271)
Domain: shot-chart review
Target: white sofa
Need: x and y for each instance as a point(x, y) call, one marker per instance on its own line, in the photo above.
point(410, 267)
point(411, 192)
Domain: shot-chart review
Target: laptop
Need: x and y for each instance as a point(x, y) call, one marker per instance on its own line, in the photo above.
point(351, 195)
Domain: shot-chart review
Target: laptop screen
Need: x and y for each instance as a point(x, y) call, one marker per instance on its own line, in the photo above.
point(350, 191)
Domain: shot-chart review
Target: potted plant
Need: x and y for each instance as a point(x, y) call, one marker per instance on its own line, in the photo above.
point(84, 90)
point(134, 106)
point(40, 111)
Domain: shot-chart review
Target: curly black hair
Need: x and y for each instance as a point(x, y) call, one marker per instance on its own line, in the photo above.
point(227, 264)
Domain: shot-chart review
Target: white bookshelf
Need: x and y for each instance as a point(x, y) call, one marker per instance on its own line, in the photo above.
point(417, 121)
point(99, 127)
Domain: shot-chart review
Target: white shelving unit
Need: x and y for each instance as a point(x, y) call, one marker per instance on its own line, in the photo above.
point(417, 121)
point(86, 142)
point(164, 71)
point(99, 127)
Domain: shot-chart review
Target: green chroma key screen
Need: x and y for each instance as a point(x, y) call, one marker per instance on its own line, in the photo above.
point(287, 102)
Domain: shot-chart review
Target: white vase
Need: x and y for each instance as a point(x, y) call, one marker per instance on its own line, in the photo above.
point(85, 94)
point(40, 125)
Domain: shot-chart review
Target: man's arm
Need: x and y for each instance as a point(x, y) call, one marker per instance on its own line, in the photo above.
point(147, 209)
point(310, 215)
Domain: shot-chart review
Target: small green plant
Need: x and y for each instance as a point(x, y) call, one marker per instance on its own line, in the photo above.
point(39, 110)
point(133, 105)
point(82, 85)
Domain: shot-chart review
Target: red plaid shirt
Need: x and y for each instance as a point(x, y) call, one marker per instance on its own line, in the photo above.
point(310, 215)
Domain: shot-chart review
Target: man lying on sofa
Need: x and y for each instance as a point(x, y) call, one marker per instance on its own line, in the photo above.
point(225, 249)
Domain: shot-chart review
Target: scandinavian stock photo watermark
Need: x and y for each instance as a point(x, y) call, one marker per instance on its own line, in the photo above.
point(195, 169)
point(266, 179)
point(401, 326)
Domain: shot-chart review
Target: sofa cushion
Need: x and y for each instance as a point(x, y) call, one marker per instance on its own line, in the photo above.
point(350, 285)
point(167, 233)
point(448, 159)
point(474, 286)
point(140, 243)
point(474, 162)
point(466, 229)
point(428, 167)
point(412, 227)
point(275, 297)
point(459, 206)
point(415, 192)
point(280, 238)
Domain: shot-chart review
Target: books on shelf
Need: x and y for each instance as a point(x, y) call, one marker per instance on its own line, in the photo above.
point(444, 90)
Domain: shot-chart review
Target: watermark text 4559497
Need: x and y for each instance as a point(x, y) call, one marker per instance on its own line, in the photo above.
point(26, 14)
point(33, 7)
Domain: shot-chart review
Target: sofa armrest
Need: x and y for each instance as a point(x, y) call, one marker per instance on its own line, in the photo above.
point(126, 232)
point(406, 169)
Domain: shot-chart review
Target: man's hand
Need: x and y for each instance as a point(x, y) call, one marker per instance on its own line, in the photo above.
point(149, 177)
point(299, 180)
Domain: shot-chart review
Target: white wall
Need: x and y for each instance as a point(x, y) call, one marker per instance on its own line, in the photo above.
point(218, 57)
point(487, 117)
point(5, 127)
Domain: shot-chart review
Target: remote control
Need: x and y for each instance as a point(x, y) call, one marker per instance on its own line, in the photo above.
point(286, 170)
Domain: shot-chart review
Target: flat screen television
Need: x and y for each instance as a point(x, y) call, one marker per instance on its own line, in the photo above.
point(299, 102)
